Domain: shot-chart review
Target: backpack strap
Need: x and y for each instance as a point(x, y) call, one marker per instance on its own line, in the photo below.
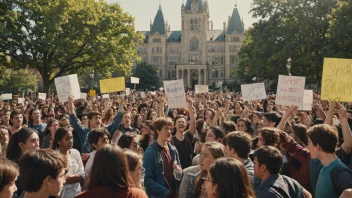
point(334, 174)
point(281, 192)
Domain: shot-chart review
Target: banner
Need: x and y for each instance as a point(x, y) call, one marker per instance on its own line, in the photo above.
point(175, 91)
point(84, 95)
point(253, 92)
point(134, 80)
point(307, 100)
point(201, 88)
point(42, 96)
point(112, 85)
point(128, 91)
point(67, 86)
point(6, 96)
point(336, 82)
point(290, 91)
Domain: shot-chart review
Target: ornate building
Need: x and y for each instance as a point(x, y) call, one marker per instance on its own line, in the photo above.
point(198, 53)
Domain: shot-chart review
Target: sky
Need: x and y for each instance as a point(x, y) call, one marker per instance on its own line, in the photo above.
point(145, 10)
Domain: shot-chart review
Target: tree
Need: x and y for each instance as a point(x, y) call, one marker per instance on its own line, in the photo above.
point(18, 81)
point(147, 74)
point(340, 30)
point(58, 37)
point(292, 28)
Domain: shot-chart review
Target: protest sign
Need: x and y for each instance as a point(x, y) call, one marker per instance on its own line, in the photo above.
point(105, 96)
point(6, 96)
point(175, 91)
point(128, 91)
point(307, 100)
point(67, 86)
point(142, 94)
point(201, 88)
point(83, 96)
point(290, 91)
point(42, 96)
point(336, 81)
point(134, 80)
point(251, 92)
point(112, 85)
point(92, 93)
point(21, 100)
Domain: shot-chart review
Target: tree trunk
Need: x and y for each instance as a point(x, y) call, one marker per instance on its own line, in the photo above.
point(46, 83)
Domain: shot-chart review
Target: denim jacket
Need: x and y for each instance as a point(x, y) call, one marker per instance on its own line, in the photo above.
point(154, 170)
point(82, 131)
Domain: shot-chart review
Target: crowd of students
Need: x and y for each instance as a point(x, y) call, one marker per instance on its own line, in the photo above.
point(217, 147)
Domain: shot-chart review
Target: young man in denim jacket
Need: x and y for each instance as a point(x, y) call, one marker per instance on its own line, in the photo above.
point(160, 162)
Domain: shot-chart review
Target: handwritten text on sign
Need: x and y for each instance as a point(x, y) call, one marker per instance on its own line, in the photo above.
point(67, 86)
point(337, 80)
point(112, 85)
point(175, 91)
point(290, 90)
point(253, 92)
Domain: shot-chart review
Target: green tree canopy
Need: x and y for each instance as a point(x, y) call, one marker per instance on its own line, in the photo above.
point(293, 28)
point(147, 74)
point(18, 81)
point(340, 31)
point(58, 37)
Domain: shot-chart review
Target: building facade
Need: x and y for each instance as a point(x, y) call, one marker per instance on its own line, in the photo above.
point(198, 54)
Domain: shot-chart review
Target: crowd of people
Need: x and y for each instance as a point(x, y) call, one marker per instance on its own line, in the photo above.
point(219, 146)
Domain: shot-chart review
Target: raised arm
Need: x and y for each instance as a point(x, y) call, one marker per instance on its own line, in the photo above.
point(346, 130)
point(161, 107)
point(330, 114)
point(288, 113)
point(192, 124)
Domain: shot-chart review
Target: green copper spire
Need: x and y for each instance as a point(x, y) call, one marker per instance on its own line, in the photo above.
point(159, 23)
point(235, 22)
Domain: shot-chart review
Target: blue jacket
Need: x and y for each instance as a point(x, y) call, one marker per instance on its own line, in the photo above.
point(154, 170)
point(82, 132)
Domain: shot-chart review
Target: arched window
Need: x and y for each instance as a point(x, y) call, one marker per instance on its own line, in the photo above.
point(192, 24)
point(194, 44)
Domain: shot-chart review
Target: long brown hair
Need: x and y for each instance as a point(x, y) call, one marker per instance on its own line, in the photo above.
point(217, 150)
point(236, 184)
point(110, 169)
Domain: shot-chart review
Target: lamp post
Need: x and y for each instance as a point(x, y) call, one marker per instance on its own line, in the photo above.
point(288, 66)
point(92, 80)
point(175, 71)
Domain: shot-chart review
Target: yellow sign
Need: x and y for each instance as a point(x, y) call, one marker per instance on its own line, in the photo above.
point(337, 80)
point(112, 85)
point(92, 93)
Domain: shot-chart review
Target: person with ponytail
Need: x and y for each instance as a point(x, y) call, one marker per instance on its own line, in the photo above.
point(63, 142)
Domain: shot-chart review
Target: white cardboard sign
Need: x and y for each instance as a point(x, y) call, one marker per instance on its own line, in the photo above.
point(67, 86)
point(290, 91)
point(201, 88)
point(105, 96)
point(83, 96)
point(6, 96)
point(142, 94)
point(134, 80)
point(128, 91)
point(255, 91)
point(21, 100)
point(175, 91)
point(307, 100)
point(42, 96)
